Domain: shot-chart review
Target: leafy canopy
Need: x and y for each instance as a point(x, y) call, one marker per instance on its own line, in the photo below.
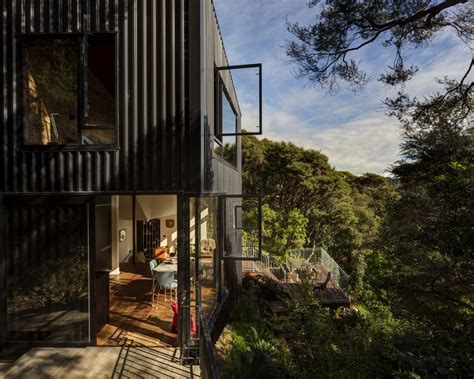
point(324, 51)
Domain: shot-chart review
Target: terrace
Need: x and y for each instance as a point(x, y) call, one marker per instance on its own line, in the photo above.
point(314, 267)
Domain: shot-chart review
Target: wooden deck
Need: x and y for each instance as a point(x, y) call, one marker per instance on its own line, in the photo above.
point(332, 296)
point(128, 361)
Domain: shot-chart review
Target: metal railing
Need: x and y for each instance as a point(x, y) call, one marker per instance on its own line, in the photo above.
point(265, 264)
point(319, 256)
point(207, 358)
point(314, 257)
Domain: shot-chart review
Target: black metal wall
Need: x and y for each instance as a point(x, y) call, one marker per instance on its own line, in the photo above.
point(155, 134)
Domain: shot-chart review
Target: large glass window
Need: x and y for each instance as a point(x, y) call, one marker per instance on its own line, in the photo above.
point(243, 227)
point(226, 140)
point(205, 248)
point(48, 291)
point(67, 99)
point(50, 87)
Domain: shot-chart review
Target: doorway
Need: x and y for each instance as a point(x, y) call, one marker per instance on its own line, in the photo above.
point(138, 304)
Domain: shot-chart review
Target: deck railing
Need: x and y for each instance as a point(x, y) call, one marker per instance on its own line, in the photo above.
point(266, 263)
point(315, 257)
point(319, 256)
point(207, 358)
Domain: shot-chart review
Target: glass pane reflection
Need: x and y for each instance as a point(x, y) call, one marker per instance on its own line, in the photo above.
point(48, 297)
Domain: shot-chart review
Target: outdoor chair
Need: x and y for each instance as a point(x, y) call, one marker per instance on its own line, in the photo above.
point(320, 288)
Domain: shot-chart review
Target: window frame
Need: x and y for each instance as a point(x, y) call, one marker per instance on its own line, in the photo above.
point(221, 92)
point(217, 129)
point(258, 199)
point(82, 92)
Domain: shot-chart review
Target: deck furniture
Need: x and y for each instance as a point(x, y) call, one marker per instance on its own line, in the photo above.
point(208, 247)
point(320, 288)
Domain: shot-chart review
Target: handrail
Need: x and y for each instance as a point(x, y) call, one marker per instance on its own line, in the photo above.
point(314, 257)
point(266, 263)
point(319, 256)
point(207, 359)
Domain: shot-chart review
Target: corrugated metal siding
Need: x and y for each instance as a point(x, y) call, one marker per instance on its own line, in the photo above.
point(152, 72)
point(222, 177)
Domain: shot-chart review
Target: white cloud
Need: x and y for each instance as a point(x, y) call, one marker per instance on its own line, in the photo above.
point(367, 144)
point(352, 130)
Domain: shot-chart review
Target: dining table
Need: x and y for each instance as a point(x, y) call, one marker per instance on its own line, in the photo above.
point(166, 267)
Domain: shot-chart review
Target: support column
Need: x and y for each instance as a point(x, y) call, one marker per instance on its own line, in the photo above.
point(3, 276)
point(184, 261)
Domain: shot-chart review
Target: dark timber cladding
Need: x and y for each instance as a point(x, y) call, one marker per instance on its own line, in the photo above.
point(154, 136)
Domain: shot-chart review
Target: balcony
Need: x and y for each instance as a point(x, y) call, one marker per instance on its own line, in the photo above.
point(303, 268)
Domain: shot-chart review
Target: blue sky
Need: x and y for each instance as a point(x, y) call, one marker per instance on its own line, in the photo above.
point(352, 129)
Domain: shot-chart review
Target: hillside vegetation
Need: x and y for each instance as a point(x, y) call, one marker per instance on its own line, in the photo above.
point(406, 242)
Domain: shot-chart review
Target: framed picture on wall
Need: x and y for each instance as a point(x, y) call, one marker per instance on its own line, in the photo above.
point(122, 235)
point(169, 223)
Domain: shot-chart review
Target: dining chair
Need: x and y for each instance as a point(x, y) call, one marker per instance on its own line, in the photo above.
point(167, 282)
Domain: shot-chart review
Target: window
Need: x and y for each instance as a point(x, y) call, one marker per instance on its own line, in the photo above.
point(242, 217)
point(50, 86)
point(48, 283)
point(234, 118)
point(69, 89)
point(227, 123)
point(100, 111)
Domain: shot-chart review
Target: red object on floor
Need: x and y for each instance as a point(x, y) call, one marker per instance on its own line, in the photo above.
point(174, 326)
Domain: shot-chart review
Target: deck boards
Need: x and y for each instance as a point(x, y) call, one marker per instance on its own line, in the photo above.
point(128, 361)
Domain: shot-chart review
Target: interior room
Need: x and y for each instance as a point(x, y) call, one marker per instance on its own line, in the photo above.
point(142, 284)
point(138, 300)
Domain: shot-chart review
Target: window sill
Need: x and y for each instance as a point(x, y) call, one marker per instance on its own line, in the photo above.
point(80, 148)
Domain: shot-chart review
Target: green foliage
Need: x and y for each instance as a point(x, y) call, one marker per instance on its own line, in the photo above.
point(55, 281)
point(283, 232)
point(408, 249)
point(308, 203)
point(53, 66)
point(256, 352)
point(325, 52)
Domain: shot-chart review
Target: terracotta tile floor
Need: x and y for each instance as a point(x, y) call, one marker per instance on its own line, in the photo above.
point(132, 318)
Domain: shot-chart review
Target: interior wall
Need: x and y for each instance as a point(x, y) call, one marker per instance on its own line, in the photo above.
point(169, 236)
point(124, 221)
point(148, 207)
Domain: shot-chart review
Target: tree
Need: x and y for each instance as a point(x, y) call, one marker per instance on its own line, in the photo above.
point(323, 51)
point(308, 203)
point(428, 233)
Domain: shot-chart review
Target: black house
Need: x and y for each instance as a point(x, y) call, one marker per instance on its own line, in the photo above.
point(120, 161)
